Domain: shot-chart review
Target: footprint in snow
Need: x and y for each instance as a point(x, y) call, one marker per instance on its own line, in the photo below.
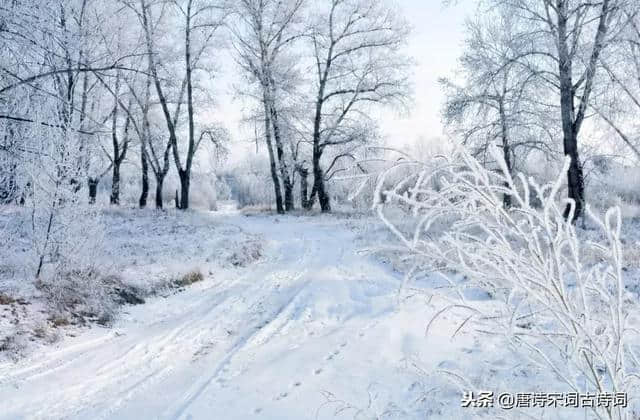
point(285, 394)
point(317, 371)
point(282, 395)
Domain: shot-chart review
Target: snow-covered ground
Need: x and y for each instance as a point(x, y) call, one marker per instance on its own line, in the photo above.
point(313, 329)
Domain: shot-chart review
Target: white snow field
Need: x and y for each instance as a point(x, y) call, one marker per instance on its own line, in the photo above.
point(315, 329)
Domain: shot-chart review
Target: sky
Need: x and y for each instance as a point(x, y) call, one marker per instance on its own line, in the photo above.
point(435, 44)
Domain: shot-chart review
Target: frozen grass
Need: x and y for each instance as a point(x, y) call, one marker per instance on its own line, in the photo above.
point(559, 299)
point(141, 253)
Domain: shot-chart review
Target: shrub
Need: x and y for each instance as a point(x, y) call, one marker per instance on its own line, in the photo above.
point(245, 253)
point(6, 299)
point(86, 295)
point(81, 293)
point(189, 278)
point(13, 345)
point(558, 310)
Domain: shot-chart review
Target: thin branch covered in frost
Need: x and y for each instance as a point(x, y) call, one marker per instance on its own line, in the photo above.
point(560, 299)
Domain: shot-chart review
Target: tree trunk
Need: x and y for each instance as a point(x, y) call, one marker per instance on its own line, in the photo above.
point(46, 240)
point(304, 185)
point(318, 173)
point(159, 182)
point(284, 171)
point(115, 184)
point(575, 176)
point(575, 181)
point(185, 174)
point(272, 161)
point(93, 189)
point(318, 182)
point(312, 198)
point(506, 199)
point(185, 180)
point(145, 177)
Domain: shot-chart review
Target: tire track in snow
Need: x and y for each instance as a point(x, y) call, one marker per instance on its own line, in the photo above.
point(257, 305)
point(144, 353)
point(236, 348)
point(251, 332)
point(238, 292)
point(163, 351)
point(53, 362)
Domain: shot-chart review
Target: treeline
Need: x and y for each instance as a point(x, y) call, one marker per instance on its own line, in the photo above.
point(540, 77)
point(87, 86)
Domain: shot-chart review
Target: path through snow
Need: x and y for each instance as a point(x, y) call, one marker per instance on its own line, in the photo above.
point(278, 339)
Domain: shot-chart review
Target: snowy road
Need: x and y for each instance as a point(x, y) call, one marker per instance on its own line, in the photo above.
point(274, 340)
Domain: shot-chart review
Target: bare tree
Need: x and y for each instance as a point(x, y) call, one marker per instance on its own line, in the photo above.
point(120, 145)
point(144, 179)
point(155, 146)
point(497, 103)
point(619, 106)
point(565, 41)
point(67, 39)
point(358, 62)
point(199, 16)
point(268, 27)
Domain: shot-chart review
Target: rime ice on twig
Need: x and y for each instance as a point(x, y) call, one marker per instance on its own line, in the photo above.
point(562, 312)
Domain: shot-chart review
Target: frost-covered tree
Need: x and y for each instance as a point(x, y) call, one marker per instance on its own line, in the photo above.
point(562, 42)
point(357, 62)
point(558, 297)
point(498, 100)
point(619, 105)
point(266, 33)
point(199, 22)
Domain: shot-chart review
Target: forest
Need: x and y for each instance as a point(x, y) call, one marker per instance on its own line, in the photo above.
point(208, 209)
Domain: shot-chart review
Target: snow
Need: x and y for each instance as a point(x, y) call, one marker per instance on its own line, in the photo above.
point(315, 328)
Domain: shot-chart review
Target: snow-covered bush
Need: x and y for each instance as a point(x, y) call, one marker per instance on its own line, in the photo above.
point(189, 278)
point(64, 231)
point(13, 345)
point(249, 183)
point(66, 238)
point(82, 294)
point(242, 253)
point(564, 313)
point(611, 183)
point(59, 235)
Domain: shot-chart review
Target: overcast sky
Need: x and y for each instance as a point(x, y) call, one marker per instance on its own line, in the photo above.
point(435, 44)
